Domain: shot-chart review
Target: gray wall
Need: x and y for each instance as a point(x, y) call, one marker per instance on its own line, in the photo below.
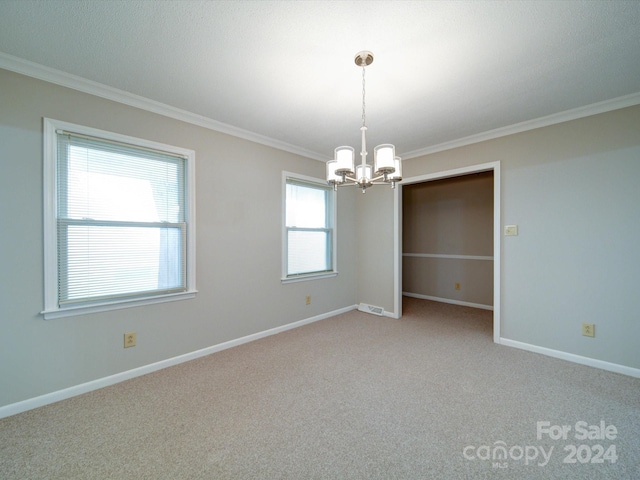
point(238, 249)
point(451, 216)
point(375, 257)
point(572, 188)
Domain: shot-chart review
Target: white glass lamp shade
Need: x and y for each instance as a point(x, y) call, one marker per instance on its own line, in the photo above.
point(383, 158)
point(344, 160)
point(396, 176)
point(363, 173)
point(332, 177)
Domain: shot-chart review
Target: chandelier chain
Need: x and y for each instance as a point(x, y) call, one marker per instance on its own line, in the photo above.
point(363, 103)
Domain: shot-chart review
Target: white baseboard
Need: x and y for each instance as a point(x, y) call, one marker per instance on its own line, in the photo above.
point(53, 397)
point(448, 300)
point(570, 357)
point(29, 404)
point(590, 362)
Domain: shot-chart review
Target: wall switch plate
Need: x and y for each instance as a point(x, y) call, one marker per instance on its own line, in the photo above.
point(511, 230)
point(129, 339)
point(588, 330)
point(308, 300)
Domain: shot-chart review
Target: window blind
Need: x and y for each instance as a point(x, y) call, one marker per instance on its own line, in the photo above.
point(121, 228)
point(309, 228)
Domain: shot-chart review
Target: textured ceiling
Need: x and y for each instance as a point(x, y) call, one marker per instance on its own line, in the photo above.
point(284, 69)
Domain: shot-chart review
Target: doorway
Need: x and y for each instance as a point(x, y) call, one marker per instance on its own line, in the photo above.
point(398, 233)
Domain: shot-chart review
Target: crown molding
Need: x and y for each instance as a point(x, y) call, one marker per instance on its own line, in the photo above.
point(574, 114)
point(51, 75)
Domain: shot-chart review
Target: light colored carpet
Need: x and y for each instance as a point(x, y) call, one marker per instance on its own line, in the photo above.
point(355, 396)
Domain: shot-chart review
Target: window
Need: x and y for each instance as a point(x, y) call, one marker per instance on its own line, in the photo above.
point(119, 221)
point(309, 236)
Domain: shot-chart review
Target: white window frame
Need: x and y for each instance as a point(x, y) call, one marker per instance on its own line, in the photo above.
point(334, 217)
point(52, 309)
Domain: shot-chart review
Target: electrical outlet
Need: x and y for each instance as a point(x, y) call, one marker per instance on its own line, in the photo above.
point(588, 330)
point(457, 286)
point(308, 300)
point(129, 339)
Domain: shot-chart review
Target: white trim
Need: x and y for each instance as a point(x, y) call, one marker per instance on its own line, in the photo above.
point(570, 357)
point(497, 251)
point(305, 278)
point(51, 75)
point(42, 400)
point(49, 398)
point(497, 237)
point(49, 211)
point(448, 300)
point(51, 307)
point(397, 253)
point(441, 255)
point(567, 115)
point(105, 307)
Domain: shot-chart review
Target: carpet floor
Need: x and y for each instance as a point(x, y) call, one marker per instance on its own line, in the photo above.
point(355, 396)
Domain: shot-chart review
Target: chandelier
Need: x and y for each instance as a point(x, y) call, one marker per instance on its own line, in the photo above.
point(387, 168)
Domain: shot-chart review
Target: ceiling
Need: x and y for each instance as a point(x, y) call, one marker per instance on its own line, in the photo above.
point(284, 70)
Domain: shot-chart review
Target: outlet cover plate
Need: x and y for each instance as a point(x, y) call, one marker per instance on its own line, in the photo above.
point(588, 330)
point(129, 339)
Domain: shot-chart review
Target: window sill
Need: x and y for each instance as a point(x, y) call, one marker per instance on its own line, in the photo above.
point(304, 278)
point(104, 307)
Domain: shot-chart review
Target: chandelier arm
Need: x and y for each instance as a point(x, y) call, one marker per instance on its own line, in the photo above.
point(350, 179)
point(377, 179)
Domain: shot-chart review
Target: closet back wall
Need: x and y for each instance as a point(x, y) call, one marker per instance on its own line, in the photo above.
point(448, 240)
